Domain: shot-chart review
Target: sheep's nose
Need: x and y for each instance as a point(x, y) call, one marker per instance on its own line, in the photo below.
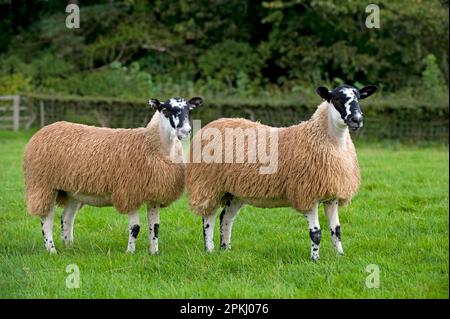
point(186, 131)
point(357, 117)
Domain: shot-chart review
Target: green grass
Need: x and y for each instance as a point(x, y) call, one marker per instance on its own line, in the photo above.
point(398, 221)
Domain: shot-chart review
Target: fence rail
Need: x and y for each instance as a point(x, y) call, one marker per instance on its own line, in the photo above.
point(17, 112)
point(13, 114)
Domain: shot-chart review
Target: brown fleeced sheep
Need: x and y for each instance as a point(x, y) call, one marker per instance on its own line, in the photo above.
point(316, 163)
point(73, 164)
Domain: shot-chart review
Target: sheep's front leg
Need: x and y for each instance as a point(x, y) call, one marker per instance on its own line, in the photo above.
point(227, 217)
point(331, 211)
point(67, 220)
point(153, 228)
point(208, 231)
point(315, 233)
point(133, 227)
point(47, 230)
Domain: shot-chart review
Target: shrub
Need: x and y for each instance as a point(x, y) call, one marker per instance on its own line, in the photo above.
point(14, 83)
point(228, 60)
point(432, 77)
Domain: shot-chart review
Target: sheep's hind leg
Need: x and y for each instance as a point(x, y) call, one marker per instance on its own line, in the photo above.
point(208, 231)
point(315, 233)
point(47, 230)
point(133, 226)
point(67, 220)
point(227, 217)
point(153, 228)
point(331, 211)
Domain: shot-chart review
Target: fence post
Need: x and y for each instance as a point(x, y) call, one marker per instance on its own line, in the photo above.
point(16, 112)
point(41, 109)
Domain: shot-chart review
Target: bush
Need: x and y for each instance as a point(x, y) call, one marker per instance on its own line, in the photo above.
point(229, 62)
point(432, 78)
point(14, 83)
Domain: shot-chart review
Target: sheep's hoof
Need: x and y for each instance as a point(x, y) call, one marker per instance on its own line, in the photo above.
point(315, 258)
point(129, 251)
point(68, 244)
point(50, 248)
point(339, 249)
point(225, 247)
point(153, 253)
point(209, 248)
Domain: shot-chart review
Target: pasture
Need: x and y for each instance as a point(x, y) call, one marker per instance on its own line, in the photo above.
point(399, 221)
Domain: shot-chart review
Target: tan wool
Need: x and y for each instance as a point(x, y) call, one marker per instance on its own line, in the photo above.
point(313, 166)
point(129, 166)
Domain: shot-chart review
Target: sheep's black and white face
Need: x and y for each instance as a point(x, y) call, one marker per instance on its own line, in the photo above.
point(176, 112)
point(345, 99)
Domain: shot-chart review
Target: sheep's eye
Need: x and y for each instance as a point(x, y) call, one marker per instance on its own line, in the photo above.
point(336, 102)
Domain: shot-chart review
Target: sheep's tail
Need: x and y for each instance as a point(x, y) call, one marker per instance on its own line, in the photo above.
point(40, 201)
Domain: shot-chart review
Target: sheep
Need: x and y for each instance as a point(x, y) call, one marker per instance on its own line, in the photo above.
point(317, 163)
point(70, 165)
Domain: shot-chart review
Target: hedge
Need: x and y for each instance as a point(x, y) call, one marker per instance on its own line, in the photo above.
point(395, 117)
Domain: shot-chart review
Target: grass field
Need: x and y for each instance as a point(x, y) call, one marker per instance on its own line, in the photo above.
point(399, 221)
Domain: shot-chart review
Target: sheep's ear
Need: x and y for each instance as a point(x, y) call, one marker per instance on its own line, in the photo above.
point(194, 102)
point(367, 91)
point(324, 93)
point(155, 104)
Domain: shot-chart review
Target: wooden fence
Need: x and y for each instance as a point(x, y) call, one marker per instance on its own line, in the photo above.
point(25, 111)
point(14, 114)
